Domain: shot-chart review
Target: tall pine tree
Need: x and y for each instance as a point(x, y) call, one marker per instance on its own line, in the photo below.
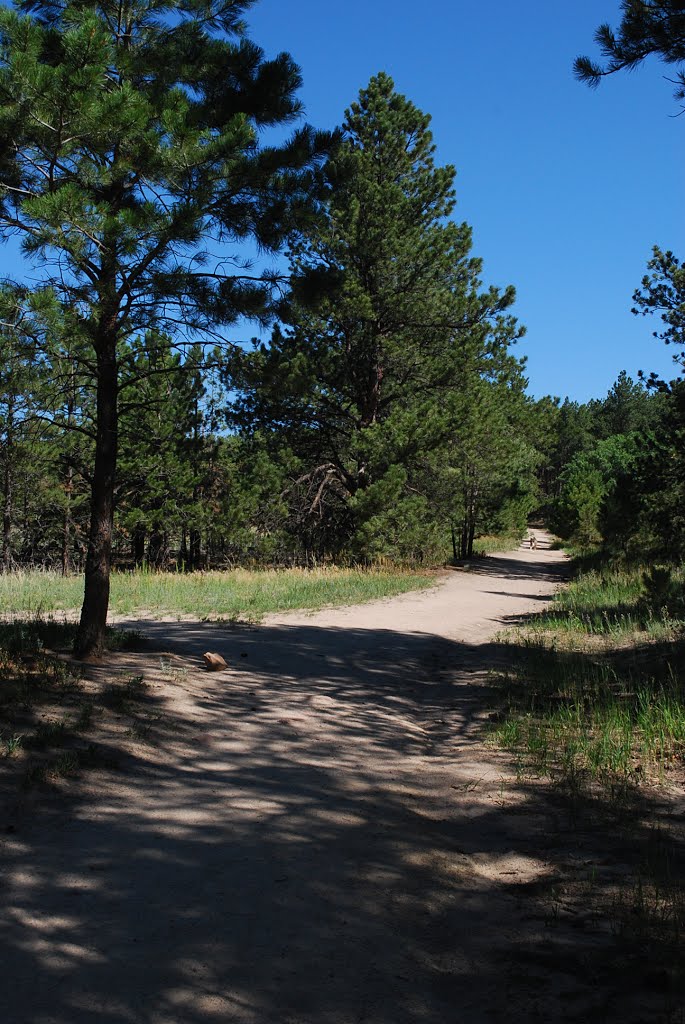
point(387, 318)
point(131, 167)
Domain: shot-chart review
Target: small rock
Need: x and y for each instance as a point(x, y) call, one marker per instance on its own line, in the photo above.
point(214, 662)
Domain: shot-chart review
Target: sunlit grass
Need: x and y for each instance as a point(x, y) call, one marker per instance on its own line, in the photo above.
point(239, 593)
point(597, 689)
point(613, 602)
point(491, 544)
point(583, 722)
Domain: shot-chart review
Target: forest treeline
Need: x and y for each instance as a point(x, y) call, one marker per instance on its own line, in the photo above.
point(385, 416)
point(191, 494)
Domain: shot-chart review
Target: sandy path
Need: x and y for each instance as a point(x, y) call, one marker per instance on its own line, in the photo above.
point(324, 839)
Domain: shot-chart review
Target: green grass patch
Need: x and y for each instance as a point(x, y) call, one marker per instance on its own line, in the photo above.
point(239, 593)
point(597, 689)
point(620, 601)
point(492, 544)
point(571, 717)
point(31, 635)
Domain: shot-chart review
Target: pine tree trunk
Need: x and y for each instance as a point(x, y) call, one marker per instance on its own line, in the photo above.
point(91, 634)
point(68, 488)
point(195, 553)
point(26, 546)
point(138, 546)
point(182, 560)
point(155, 551)
point(464, 540)
point(7, 496)
point(472, 534)
point(66, 527)
point(7, 519)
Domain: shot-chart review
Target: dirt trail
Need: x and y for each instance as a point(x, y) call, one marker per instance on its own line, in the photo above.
point(323, 839)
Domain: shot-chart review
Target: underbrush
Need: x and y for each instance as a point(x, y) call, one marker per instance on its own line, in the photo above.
point(588, 718)
point(48, 711)
point(622, 602)
point(239, 593)
point(594, 701)
point(491, 544)
point(597, 687)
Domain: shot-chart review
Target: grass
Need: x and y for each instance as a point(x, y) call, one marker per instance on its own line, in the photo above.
point(616, 601)
point(46, 705)
point(492, 544)
point(590, 721)
point(30, 637)
point(613, 714)
point(594, 700)
point(239, 593)
point(119, 697)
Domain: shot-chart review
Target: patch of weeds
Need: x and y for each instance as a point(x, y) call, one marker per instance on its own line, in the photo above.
point(125, 639)
point(140, 731)
point(586, 718)
point(68, 763)
point(118, 697)
point(174, 673)
point(48, 734)
point(84, 718)
point(35, 634)
point(135, 687)
point(13, 745)
point(619, 600)
point(62, 676)
point(648, 913)
point(21, 638)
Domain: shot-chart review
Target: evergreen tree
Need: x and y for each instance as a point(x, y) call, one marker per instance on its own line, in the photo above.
point(384, 328)
point(663, 293)
point(660, 480)
point(589, 508)
point(18, 436)
point(129, 161)
point(648, 27)
point(627, 409)
point(484, 475)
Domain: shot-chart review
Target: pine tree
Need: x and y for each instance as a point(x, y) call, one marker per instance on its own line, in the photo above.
point(663, 293)
point(18, 441)
point(130, 164)
point(386, 320)
point(648, 27)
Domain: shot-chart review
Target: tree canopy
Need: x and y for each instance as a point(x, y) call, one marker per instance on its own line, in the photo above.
point(130, 164)
point(387, 334)
point(648, 27)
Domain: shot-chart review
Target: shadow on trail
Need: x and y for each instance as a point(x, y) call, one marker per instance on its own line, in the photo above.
point(505, 568)
point(291, 856)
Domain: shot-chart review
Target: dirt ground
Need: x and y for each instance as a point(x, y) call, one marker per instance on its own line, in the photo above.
point(318, 835)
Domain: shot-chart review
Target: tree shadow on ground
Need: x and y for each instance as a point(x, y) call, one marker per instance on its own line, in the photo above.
point(513, 569)
point(321, 840)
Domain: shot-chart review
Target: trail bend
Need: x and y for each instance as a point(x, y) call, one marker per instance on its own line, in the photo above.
point(321, 834)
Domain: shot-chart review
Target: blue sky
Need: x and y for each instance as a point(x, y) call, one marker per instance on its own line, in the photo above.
point(566, 188)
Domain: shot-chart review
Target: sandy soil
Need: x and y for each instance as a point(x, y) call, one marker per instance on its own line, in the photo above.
point(318, 835)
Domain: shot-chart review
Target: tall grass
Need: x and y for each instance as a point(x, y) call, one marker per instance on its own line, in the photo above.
point(239, 593)
point(583, 721)
point(491, 544)
point(615, 601)
point(613, 715)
